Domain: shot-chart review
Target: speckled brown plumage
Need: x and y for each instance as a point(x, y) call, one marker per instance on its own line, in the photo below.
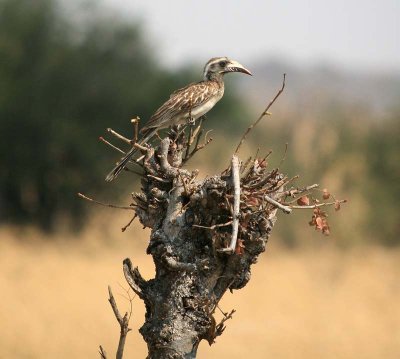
point(190, 101)
point(186, 104)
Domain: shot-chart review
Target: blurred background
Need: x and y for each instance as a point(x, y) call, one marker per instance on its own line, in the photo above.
point(70, 69)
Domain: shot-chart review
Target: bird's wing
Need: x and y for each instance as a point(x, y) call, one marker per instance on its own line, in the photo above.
point(182, 101)
point(182, 89)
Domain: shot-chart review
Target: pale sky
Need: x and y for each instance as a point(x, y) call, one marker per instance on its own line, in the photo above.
point(354, 34)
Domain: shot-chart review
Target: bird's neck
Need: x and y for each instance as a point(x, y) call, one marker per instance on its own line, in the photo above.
point(215, 77)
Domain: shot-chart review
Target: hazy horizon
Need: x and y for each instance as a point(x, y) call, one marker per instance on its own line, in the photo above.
point(352, 35)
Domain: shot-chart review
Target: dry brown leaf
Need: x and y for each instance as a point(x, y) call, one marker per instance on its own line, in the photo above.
point(262, 162)
point(326, 230)
point(318, 223)
point(246, 220)
point(325, 194)
point(252, 202)
point(239, 247)
point(303, 201)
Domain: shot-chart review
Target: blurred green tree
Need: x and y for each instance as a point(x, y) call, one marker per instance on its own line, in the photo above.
point(62, 82)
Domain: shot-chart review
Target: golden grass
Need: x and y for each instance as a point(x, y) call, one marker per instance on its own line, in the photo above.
point(314, 303)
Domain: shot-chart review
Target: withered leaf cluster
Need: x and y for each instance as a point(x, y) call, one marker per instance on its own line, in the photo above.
point(319, 220)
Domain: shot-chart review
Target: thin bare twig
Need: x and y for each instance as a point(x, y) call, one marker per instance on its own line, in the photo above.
point(199, 147)
point(265, 113)
point(140, 147)
point(316, 205)
point(267, 155)
point(236, 205)
point(284, 155)
point(293, 191)
point(288, 203)
point(121, 151)
point(114, 305)
point(197, 129)
point(102, 353)
point(199, 134)
point(135, 122)
point(194, 134)
point(281, 206)
point(120, 137)
point(214, 226)
point(159, 179)
point(244, 166)
point(139, 159)
point(123, 229)
point(123, 322)
point(219, 329)
point(128, 298)
point(281, 183)
point(183, 182)
point(104, 204)
point(111, 145)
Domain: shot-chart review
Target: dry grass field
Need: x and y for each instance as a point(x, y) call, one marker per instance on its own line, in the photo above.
point(311, 303)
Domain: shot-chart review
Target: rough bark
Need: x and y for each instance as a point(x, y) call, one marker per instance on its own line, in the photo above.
point(191, 224)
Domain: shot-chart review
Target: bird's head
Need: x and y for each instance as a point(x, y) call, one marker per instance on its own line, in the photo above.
point(218, 66)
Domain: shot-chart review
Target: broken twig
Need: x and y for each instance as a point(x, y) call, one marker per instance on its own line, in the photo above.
point(105, 204)
point(265, 113)
point(236, 205)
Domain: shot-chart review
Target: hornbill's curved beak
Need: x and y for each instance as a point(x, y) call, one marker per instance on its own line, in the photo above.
point(234, 66)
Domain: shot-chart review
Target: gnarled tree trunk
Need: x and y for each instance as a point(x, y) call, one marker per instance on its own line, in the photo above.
point(193, 224)
point(205, 236)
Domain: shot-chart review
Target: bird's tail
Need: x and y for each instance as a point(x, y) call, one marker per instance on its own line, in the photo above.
point(148, 134)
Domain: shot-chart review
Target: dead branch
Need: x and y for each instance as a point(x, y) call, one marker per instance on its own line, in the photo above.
point(134, 278)
point(102, 353)
point(281, 206)
point(220, 328)
point(111, 145)
point(119, 136)
point(214, 226)
point(140, 147)
point(283, 182)
point(135, 122)
point(104, 204)
point(123, 322)
point(317, 205)
point(123, 229)
point(199, 146)
point(284, 155)
point(264, 113)
point(236, 205)
point(162, 180)
point(293, 191)
point(189, 142)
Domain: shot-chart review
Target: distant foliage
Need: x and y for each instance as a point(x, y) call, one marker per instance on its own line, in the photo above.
point(382, 185)
point(348, 151)
point(61, 85)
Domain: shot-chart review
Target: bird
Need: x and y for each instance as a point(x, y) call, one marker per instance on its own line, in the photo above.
point(186, 104)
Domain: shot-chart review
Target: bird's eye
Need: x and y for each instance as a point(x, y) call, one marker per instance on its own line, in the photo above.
point(222, 63)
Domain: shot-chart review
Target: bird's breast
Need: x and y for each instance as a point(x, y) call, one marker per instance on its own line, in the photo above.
point(206, 106)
